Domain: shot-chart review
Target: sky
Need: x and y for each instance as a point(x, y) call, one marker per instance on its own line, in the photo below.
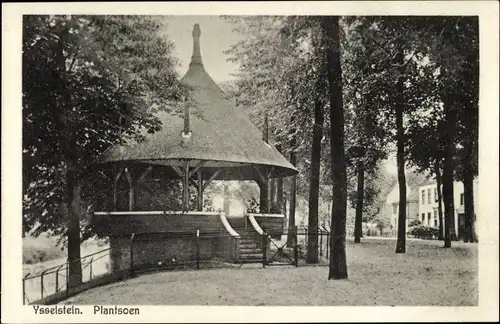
point(216, 37)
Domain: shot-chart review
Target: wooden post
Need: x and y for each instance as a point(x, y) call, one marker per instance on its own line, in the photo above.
point(131, 197)
point(264, 198)
point(117, 176)
point(115, 188)
point(200, 190)
point(279, 190)
point(279, 195)
point(261, 180)
point(227, 199)
point(131, 191)
point(272, 194)
point(264, 182)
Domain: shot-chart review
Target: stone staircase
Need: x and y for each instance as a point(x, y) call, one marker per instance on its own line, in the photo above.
point(250, 251)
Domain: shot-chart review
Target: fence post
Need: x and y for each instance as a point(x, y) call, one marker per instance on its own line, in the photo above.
point(197, 249)
point(295, 249)
point(67, 278)
point(320, 242)
point(264, 249)
point(327, 244)
point(131, 270)
point(41, 284)
point(57, 279)
point(24, 289)
point(90, 266)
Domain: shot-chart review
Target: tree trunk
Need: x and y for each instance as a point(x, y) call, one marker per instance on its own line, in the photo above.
point(73, 227)
point(358, 222)
point(73, 186)
point(293, 193)
point(449, 205)
point(469, 207)
point(312, 242)
point(338, 264)
point(437, 171)
point(468, 181)
point(400, 157)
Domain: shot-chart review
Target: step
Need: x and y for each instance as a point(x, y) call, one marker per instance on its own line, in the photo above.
point(246, 239)
point(248, 242)
point(251, 255)
point(247, 252)
point(249, 245)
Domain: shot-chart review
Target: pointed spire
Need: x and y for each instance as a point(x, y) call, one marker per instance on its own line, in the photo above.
point(196, 58)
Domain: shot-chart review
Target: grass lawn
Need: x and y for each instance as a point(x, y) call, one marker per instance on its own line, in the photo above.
point(427, 275)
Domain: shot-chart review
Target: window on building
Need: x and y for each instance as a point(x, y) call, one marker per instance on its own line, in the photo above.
point(435, 223)
point(435, 214)
point(435, 194)
point(461, 199)
point(423, 196)
point(429, 219)
point(423, 218)
point(394, 209)
point(429, 195)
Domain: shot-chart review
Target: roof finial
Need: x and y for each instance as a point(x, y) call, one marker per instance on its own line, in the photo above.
point(196, 58)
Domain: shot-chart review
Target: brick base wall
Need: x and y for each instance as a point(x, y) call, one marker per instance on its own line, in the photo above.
point(153, 251)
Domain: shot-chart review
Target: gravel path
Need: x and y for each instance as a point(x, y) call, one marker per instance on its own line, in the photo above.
point(427, 275)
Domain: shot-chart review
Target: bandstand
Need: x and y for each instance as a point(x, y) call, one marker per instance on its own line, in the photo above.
point(214, 140)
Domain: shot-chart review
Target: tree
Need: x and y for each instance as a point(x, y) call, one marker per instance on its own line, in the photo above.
point(89, 82)
point(425, 150)
point(454, 48)
point(467, 131)
point(312, 242)
point(338, 263)
point(386, 43)
point(367, 138)
point(286, 83)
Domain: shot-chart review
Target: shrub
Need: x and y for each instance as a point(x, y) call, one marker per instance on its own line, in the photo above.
point(32, 254)
point(252, 205)
point(424, 232)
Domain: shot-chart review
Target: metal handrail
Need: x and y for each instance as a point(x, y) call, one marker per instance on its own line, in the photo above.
point(57, 269)
point(44, 272)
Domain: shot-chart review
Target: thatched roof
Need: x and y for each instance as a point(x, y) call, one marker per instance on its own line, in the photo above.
point(222, 134)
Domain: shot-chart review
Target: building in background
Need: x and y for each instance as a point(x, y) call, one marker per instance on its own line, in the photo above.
point(428, 205)
point(391, 206)
point(389, 209)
